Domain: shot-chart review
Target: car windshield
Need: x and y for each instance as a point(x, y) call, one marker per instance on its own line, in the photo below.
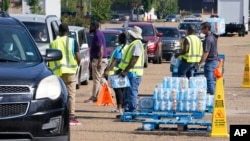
point(72, 34)
point(185, 26)
point(171, 16)
point(146, 30)
point(169, 32)
point(115, 17)
point(38, 31)
point(111, 39)
point(16, 46)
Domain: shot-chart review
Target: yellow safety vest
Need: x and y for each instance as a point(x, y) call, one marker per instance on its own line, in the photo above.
point(68, 62)
point(112, 72)
point(127, 56)
point(195, 49)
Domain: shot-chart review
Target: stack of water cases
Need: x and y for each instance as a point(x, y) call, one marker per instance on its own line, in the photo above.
point(181, 94)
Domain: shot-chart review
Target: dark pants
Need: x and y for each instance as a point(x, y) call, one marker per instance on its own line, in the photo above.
point(119, 95)
point(186, 69)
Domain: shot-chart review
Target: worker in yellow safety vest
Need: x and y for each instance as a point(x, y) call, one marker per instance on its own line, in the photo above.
point(131, 65)
point(114, 61)
point(190, 54)
point(66, 67)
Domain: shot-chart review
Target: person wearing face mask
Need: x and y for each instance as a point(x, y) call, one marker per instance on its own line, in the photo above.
point(114, 61)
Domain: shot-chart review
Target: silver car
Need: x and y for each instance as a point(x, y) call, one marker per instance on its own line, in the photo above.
point(79, 34)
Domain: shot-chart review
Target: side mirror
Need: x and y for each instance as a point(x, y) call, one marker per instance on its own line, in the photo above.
point(84, 46)
point(159, 34)
point(53, 55)
point(183, 35)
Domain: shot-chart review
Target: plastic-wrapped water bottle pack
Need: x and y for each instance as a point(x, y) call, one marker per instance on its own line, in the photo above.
point(181, 95)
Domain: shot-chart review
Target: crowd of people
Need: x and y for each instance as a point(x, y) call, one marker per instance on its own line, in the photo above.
point(127, 61)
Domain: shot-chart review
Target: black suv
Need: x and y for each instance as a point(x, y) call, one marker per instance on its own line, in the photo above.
point(33, 101)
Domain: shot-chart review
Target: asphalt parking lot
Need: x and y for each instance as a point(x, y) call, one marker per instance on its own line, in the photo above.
point(99, 124)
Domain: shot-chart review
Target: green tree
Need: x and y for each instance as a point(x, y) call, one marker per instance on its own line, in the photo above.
point(5, 5)
point(34, 6)
point(147, 4)
point(100, 9)
point(166, 7)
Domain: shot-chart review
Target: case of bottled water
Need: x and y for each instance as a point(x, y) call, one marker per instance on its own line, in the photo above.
point(201, 106)
point(174, 94)
point(198, 82)
point(166, 94)
point(175, 82)
point(116, 81)
point(180, 106)
point(181, 94)
point(210, 100)
point(157, 105)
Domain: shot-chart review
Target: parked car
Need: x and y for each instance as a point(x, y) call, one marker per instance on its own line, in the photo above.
point(198, 16)
point(190, 18)
point(79, 34)
point(171, 41)
point(214, 16)
point(144, 43)
point(154, 44)
point(183, 33)
point(117, 18)
point(172, 18)
point(47, 24)
point(197, 25)
point(33, 101)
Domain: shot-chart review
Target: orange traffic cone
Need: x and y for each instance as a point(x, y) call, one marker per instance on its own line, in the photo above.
point(218, 70)
point(105, 97)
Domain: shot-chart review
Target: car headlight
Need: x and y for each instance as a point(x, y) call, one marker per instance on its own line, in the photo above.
point(177, 43)
point(49, 87)
point(150, 44)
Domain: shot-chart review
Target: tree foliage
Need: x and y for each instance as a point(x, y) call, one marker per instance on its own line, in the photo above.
point(35, 7)
point(166, 7)
point(5, 5)
point(69, 5)
point(100, 9)
point(147, 4)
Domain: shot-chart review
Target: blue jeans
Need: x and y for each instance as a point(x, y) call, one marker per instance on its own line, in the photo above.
point(186, 69)
point(209, 74)
point(131, 93)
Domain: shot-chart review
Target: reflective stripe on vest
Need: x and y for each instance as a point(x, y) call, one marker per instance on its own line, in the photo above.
point(68, 63)
point(111, 59)
point(126, 58)
point(195, 49)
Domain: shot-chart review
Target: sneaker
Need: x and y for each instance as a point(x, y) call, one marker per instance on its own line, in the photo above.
point(118, 116)
point(90, 100)
point(74, 121)
point(115, 111)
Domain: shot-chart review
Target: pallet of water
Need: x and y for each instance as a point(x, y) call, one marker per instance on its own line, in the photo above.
point(184, 100)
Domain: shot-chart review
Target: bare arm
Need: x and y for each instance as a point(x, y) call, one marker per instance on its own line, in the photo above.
point(78, 58)
point(203, 57)
point(101, 54)
point(184, 50)
point(112, 65)
point(130, 65)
